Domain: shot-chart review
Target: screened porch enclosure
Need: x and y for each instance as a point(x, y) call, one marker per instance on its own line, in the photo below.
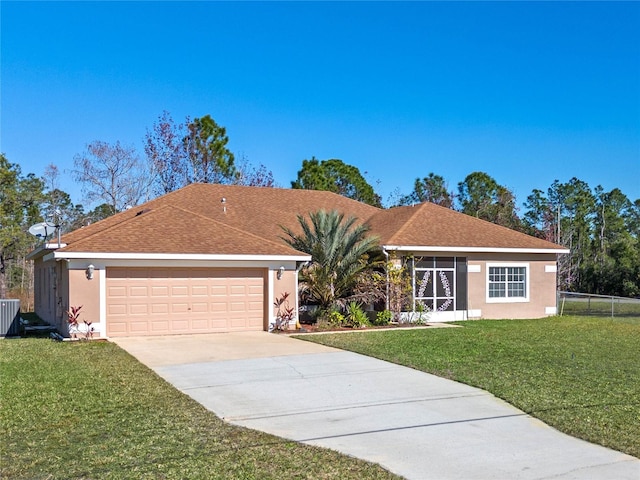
point(439, 286)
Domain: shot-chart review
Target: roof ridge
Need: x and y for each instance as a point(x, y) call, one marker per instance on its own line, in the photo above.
point(408, 221)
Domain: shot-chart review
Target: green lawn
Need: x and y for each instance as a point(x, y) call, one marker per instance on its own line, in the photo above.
point(600, 307)
point(90, 410)
point(578, 374)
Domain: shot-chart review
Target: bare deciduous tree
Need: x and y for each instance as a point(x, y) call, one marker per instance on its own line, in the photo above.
point(111, 174)
point(166, 154)
point(249, 175)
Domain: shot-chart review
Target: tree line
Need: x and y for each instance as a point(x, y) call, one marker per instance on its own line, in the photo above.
point(601, 229)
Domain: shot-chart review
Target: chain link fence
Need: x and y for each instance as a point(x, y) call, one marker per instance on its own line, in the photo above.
point(572, 303)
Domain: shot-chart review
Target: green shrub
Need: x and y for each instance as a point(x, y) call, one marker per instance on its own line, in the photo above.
point(356, 317)
point(383, 318)
point(335, 319)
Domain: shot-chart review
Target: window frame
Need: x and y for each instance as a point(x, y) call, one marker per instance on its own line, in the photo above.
point(506, 298)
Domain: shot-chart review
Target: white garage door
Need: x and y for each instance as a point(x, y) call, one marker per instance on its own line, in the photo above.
point(163, 301)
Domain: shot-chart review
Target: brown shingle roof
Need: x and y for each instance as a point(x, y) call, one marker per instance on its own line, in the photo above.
point(172, 230)
point(253, 216)
point(428, 224)
point(194, 220)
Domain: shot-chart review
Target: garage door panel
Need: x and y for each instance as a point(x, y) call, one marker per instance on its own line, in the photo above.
point(218, 324)
point(138, 326)
point(159, 327)
point(179, 291)
point(157, 301)
point(238, 307)
point(180, 325)
point(116, 309)
point(138, 291)
point(237, 323)
point(118, 328)
point(240, 290)
point(200, 325)
point(255, 306)
point(179, 308)
point(200, 307)
point(159, 291)
point(139, 309)
point(159, 308)
point(218, 290)
point(117, 291)
point(219, 307)
point(200, 291)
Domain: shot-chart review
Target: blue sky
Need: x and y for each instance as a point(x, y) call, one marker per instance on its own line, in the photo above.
point(527, 92)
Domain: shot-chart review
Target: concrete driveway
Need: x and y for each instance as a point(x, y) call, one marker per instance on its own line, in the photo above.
point(414, 424)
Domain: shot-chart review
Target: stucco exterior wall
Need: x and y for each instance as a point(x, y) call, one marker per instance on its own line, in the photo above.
point(86, 293)
point(541, 300)
point(286, 284)
point(57, 286)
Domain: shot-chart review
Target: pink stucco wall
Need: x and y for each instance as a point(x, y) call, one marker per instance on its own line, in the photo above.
point(287, 283)
point(57, 287)
point(542, 286)
point(85, 293)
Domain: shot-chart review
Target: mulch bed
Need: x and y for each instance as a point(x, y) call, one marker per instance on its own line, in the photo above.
point(314, 328)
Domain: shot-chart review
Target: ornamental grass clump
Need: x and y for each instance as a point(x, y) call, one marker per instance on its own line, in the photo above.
point(355, 317)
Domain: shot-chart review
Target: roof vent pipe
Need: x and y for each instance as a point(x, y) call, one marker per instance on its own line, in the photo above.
point(224, 205)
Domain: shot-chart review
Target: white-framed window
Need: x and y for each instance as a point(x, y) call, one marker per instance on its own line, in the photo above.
point(507, 282)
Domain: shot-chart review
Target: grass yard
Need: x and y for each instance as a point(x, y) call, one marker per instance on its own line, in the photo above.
point(578, 374)
point(600, 307)
point(90, 410)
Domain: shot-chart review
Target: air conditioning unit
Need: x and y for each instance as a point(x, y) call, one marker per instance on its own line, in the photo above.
point(9, 318)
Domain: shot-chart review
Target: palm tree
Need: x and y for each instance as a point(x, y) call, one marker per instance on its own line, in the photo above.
point(340, 251)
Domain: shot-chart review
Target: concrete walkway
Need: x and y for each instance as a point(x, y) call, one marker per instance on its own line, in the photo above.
point(414, 424)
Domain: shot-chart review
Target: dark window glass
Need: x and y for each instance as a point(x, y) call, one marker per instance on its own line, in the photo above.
point(424, 262)
point(444, 262)
point(461, 283)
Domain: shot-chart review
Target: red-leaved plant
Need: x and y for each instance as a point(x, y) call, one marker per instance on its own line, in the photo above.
point(73, 315)
point(285, 312)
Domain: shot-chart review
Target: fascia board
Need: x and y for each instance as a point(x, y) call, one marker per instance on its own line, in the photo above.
point(419, 248)
point(37, 253)
point(42, 249)
point(178, 256)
